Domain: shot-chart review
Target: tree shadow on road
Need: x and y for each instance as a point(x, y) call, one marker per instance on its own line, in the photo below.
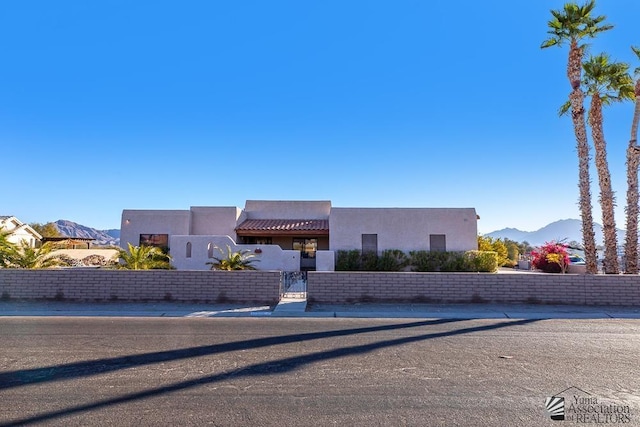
point(90, 368)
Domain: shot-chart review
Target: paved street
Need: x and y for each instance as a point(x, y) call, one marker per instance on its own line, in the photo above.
point(79, 371)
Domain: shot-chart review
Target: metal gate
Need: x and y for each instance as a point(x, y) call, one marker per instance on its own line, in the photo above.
point(293, 284)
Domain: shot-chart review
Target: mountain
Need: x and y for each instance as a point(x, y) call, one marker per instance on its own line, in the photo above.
point(565, 230)
point(101, 237)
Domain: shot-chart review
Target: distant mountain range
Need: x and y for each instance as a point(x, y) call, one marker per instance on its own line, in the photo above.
point(101, 237)
point(565, 230)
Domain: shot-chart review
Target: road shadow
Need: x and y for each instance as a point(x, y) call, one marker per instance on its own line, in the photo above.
point(265, 368)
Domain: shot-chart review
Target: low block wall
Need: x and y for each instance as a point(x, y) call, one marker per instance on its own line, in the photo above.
point(141, 285)
point(346, 287)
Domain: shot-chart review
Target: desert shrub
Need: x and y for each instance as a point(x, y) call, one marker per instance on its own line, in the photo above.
point(355, 260)
point(369, 261)
point(552, 257)
point(481, 261)
point(348, 260)
point(392, 260)
point(453, 261)
point(428, 260)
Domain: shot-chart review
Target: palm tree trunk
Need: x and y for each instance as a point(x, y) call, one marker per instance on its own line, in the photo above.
point(606, 193)
point(574, 71)
point(633, 161)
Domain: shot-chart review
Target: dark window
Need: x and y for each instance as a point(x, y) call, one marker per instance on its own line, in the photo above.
point(156, 240)
point(437, 242)
point(188, 249)
point(370, 243)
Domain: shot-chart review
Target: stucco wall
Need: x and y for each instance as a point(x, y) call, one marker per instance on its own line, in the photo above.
point(272, 257)
point(341, 287)
point(270, 209)
point(142, 285)
point(325, 261)
point(214, 221)
point(403, 228)
point(136, 222)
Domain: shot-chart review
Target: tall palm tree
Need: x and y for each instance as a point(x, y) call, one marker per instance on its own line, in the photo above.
point(572, 24)
point(606, 82)
point(633, 162)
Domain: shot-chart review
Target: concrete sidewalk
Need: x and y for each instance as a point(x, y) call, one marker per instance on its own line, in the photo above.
point(360, 310)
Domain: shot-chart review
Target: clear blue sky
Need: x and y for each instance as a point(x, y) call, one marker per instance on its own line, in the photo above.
point(115, 105)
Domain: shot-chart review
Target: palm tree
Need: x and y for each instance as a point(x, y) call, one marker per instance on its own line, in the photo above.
point(572, 24)
point(143, 258)
point(23, 255)
point(240, 260)
point(5, 248)
point(633, 161)
point(606, 82)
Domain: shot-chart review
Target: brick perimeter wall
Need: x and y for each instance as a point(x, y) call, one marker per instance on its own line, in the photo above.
point(326, 287)
point(141, 285)
point(345, 287)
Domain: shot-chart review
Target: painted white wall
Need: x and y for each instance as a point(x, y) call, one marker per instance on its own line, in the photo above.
point(406, 229)
point(280, 209)
point(272, 257)
point(137, 222)
point(325, 261)
point(214, 220)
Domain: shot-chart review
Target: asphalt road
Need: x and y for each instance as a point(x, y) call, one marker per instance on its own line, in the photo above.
point(313, 372)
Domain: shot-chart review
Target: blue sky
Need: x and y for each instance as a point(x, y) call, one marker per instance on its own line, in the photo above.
point(115, 105)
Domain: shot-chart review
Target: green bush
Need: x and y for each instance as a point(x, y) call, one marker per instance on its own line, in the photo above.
point(423, 261)
point(354, 260)
point(369, 261)
point(482, 261)
point(453, 262)
point(348, 260)
point(392, 260)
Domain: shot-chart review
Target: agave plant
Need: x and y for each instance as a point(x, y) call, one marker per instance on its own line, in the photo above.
point(143, 258)
point(239, 260)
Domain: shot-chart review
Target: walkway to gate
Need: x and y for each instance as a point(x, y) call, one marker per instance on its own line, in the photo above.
point(293, 292)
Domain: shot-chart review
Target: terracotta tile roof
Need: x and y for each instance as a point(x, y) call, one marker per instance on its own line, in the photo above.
point(284, 226)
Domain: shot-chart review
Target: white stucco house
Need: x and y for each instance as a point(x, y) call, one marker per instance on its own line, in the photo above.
point(19, 231)
point(296, 235)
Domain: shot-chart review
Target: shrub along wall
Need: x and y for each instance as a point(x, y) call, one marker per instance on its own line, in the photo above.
point(141, 285)
point(346, 287)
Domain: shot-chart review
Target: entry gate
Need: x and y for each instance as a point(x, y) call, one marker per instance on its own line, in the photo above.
point(293, 284)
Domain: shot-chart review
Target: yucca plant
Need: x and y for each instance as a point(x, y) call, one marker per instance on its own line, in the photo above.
point(143, 258)
point(238, 260)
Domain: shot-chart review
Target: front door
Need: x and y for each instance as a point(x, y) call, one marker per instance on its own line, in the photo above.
point(308, 249)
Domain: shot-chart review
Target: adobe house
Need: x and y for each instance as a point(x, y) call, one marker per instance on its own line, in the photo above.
point(296, 235)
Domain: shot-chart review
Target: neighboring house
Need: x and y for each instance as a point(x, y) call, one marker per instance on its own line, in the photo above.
point(19, 231)
point(296, 235)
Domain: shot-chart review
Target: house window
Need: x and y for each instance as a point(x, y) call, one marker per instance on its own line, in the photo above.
point(210, 250)
point(156, 240)
point(188, 249)
point(437, 242)
point(307, 247)
point(370, 243)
